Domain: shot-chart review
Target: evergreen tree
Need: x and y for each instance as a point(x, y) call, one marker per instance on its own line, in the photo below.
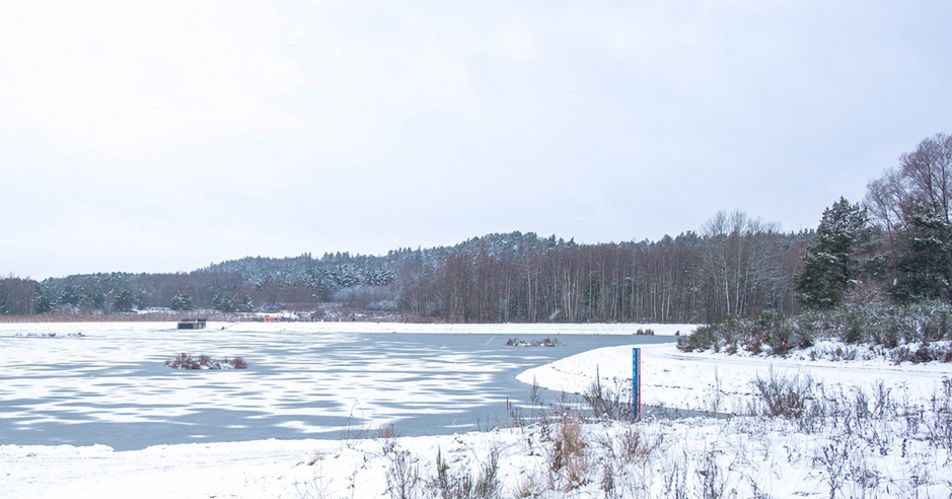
point(181, 301)
point(71, 295)
point(45, 298)
point(924, 268)
point(125, 301)
point(832, 265)
point(224, 303)
point(246, 305)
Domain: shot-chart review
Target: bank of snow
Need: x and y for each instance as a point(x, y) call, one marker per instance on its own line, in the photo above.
point(723, 383)
point(739, 457)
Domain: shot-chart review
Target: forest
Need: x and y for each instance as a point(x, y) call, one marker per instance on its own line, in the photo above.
point(735, 267)
point(894, 246)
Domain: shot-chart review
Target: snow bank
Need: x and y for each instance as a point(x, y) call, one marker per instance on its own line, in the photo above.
point(751, 457)
point(721, 382)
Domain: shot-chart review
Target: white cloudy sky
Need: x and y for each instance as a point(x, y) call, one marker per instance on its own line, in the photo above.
point(159, 136)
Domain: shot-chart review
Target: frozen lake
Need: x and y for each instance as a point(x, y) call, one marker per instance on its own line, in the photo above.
point(111, 387)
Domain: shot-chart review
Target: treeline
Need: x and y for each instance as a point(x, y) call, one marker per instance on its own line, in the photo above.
point(18, 296)
point(236, 286)
point(737, 266)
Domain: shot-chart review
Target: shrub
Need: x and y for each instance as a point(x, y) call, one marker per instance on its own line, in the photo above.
point(606, 403)
point(890, 326)
point(487, 484)
point(186, 361)
point(783, 396)
point(713, 483)
point(183, 361)
point(450, 485)
point(402, 475)
point(636, 447)
point(780, 337)
point(834, 461)
point(544, 342)
point(854, 328)
point(568, 444)
point(939, 423)
point(701, 339)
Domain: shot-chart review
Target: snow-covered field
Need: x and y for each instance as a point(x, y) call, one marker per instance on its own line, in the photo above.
point(900, 453)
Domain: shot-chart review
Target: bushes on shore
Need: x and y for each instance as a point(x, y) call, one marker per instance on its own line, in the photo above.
point(906, 331)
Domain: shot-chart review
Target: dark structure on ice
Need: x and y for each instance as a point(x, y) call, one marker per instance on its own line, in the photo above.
point(192, 323)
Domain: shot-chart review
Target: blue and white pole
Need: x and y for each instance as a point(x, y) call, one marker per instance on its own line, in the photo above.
point(636, 384)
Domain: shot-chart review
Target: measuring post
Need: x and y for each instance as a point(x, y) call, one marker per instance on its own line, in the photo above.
point(636, 384)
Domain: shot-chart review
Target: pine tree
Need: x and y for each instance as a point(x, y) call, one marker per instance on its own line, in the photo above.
point(924, 268)
point(125, 301)
point(223, 303)
point(45, 299)
point(181, 301)
point(833, 265)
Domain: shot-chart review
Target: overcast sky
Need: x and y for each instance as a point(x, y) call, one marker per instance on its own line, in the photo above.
point(166, 135)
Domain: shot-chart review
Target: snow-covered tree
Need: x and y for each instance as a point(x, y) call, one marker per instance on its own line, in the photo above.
point(125, 301)
point(181, 301)
point(924, 267)
point(833, 263)
point(225, 303)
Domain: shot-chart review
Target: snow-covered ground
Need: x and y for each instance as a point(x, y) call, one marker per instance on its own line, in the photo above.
point(698, 457)
point(900, 455)
point(720, 382)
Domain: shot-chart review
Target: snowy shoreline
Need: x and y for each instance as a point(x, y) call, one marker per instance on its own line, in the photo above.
point(719, 382)
point(7, 328)
point(757, 454)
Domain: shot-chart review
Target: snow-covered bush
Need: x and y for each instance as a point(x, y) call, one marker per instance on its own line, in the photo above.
point(49, 335)
point(544, 342)
point(915, 333)
point(608, 403)
point(782, 395)
point(939, 420)
point(186, 361)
